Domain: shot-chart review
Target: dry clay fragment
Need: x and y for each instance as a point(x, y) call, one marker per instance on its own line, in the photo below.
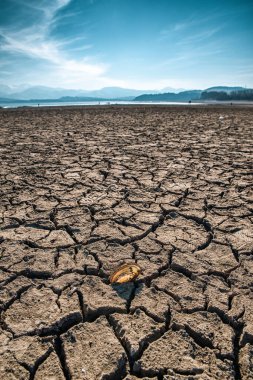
point(125, 273)
point(177, 351)
point(208, 329)
point(93, 352)
point(40, 310)
point(155, 303)
point(10, 369)
point(50, 369)
point(21, 355)
point(100, 298)
point(246, 362)
point(136, 330)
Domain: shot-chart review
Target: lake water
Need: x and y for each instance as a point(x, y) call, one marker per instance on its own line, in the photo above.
point(102, 103)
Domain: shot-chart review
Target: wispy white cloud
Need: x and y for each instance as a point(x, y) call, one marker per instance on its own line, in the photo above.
point(49, 8)
point(200, 36)
point(179, 26)
point(186, 58)
point(193, 22)
point(80, 48)
point(34, 42)
point(37, 47)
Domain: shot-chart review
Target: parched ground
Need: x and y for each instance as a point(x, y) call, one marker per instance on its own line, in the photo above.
point(84, 190)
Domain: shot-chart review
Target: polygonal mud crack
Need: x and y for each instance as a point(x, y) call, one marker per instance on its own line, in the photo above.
point(136, 331)
point(10, 369)
point(177, 351)
point(154, 303)
point(187, 294)
point(216, 258)
point(182, 233)
point(207, 330)
point(41, 238)
point(99, 298)
point(39, 311)
point(20, 357)
point(246, 362)
point(13, 290)
point(93, 352)
point(218, 294)
point(20, 258)
point(50, 369)
point(242, 310)
point(110, 256)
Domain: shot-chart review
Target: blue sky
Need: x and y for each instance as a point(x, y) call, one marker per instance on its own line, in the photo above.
point(144, 44)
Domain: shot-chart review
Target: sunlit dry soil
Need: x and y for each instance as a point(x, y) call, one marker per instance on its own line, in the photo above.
point(84, 190)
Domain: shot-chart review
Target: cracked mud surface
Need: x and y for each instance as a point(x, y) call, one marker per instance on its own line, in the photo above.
point(84, 190)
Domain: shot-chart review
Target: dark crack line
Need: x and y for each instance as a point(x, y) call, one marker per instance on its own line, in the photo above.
point(59, 349)
point(16, 297)
point(237, 369)
point(59, 327)
point(38, 362)
point(119, 338)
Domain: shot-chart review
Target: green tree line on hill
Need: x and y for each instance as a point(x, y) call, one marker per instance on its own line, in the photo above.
point(222, 95)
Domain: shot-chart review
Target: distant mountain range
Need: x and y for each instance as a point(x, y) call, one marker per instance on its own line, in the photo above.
point(63, 99)
point(40, 94)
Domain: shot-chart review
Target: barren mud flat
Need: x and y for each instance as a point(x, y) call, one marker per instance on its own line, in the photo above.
point(84, 190)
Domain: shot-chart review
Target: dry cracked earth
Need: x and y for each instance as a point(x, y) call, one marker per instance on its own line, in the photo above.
point(84, 190)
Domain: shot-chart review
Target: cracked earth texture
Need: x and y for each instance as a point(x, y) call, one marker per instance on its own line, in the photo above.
point(84, 190)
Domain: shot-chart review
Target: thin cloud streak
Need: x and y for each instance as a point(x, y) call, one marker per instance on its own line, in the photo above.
point(34, 42)
point(187, 24)
point(48, 51)
point(201, 36)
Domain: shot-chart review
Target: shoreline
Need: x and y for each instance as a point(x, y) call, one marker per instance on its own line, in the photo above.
point(123, 104)
point(132, 105)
